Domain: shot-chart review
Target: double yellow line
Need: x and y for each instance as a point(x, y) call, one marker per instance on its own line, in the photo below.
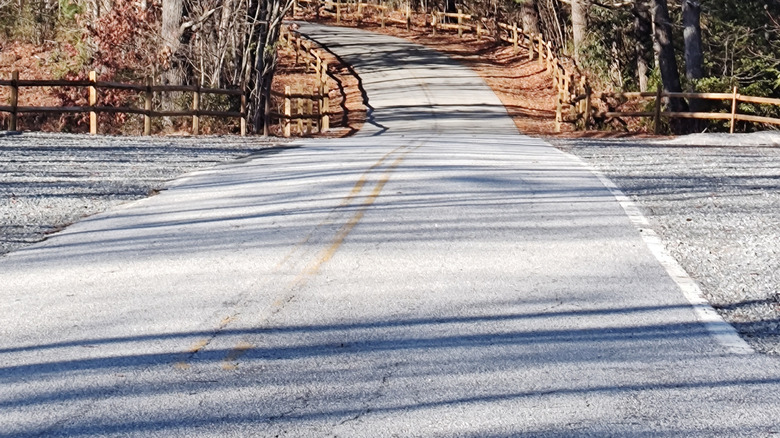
point(397, 155)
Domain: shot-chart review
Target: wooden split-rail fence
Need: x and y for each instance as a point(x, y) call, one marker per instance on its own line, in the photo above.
point(310, 111)
point(146, 91)
point(731, 101)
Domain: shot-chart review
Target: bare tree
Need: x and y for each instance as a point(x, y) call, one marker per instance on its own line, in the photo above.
point(550, 21)
point(266, 21)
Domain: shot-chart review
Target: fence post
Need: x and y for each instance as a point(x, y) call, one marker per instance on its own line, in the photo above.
point(657, 115)
point(14, 99)
point(515, 42)
point(559, 112)
point(299, 109)
point(531, 46)
point(408, 16)
point(541, 50)
point(733, 110)
point(196, 109)
point(266, 114)
point(286, 120)
point(338, 11)
point(324, 116)
point(382, 14)
point(92, 103)
point(587, 104)
point(479, 30)
point(460, 23)
point(324, 101)
point(434, 21)
point(309, 113)
point(243, 112)
point(307, 59)
point(148, 95)
point(549, 56)
point(297, 48)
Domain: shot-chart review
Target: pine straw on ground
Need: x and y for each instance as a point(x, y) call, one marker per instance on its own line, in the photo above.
point(32, 62)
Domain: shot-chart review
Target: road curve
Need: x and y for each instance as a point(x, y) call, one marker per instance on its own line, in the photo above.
point(438, 274)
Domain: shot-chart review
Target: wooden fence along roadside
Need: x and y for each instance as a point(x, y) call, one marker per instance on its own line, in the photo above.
point(307, 109)
point(147, 91)
point(575, 98)
point(310, 110)
point(733, 99)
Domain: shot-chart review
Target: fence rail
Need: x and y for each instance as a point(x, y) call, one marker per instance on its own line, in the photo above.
point(733, 99)
point(93, 108)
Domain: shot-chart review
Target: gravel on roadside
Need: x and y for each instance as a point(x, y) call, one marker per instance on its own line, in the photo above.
point(717, 209)
point(48, 181)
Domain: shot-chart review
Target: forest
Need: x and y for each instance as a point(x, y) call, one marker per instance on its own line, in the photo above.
point(621, 45)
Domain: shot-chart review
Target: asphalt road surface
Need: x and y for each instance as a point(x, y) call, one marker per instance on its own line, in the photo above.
point(437, 275)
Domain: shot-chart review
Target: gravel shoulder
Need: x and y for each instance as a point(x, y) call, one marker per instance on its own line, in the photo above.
point(716, 206)
point(48, 181)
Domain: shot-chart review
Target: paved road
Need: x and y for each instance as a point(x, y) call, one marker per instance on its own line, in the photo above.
point(436, 275)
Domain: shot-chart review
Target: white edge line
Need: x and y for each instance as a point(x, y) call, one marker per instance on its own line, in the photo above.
point(723, 332)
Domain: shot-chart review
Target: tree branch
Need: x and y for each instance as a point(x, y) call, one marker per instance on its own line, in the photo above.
point(194, 23)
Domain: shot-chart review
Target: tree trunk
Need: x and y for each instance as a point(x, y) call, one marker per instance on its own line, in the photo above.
point(450, 7)
point(271, 14)
point(694, 58)
point(667, 64)
point(550, 23)
point(643, 46)
point(530, 17)
point(223, 42)
point(579, 25)
point(171, 38)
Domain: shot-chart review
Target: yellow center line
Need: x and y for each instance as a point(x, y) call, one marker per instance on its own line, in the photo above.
point(347, 228)
point(194, 349)
point(324, 257)
point(229, 362)
point(356, 189)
